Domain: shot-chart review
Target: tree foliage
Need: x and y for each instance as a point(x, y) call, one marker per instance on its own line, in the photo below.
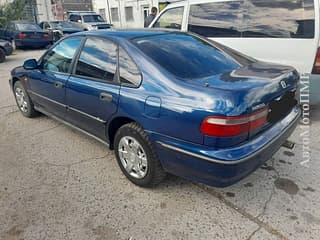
point(12, 11)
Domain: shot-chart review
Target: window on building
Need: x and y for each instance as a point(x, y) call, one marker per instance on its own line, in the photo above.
point(217, 19)
point(129, 13)
point(114, 14)
point(102, 13)
point(172, 18)
point(146, 11)
point(98, 59)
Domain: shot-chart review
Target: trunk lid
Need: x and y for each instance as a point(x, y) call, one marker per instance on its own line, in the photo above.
point(250, 89)
point(253, 86)
point(34, 34)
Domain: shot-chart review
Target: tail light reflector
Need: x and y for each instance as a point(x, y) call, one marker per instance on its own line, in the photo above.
point(233, 126)
point(316, 65)
point(46, 36)
point(22, 35)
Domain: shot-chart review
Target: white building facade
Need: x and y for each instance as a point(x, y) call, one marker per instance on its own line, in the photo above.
point(125, 13)
point(44, 10)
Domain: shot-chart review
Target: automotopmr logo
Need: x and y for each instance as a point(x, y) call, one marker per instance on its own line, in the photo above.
point(305, 121)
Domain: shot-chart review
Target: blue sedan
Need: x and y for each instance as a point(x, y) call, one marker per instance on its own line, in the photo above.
point(165, 101)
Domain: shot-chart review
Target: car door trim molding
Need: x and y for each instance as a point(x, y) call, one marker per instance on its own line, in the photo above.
point(86, 114)
point(40, 109)
point(67, 107)
point(46, 98)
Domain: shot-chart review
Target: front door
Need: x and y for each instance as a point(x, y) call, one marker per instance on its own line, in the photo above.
point(92, 91)
point(48, 83)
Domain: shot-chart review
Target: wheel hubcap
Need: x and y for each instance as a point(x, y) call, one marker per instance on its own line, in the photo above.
point(133, 157)
point(21, 100)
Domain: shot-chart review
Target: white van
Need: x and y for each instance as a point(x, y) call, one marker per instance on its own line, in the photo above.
point(280, 31)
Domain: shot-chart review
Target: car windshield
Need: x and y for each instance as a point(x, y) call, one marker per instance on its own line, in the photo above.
point(92, 18)
point(28, 26)
point(62, 24)
point(186, 56)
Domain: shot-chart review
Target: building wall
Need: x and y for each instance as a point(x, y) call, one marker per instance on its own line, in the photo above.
point(61, 7)
point(44, 9)
point(125, 13)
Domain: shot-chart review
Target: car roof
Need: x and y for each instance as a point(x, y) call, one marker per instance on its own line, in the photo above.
point(18, 21)
point(83, 13)
point(129, 34)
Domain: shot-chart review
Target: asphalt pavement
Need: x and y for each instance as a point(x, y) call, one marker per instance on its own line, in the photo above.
point(56, 183)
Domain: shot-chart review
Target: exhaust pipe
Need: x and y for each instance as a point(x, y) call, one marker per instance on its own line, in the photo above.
point(288, 144)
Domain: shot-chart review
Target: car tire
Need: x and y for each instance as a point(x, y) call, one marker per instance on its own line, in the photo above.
point(145, 169)
point(23, 101)
point(2, 55)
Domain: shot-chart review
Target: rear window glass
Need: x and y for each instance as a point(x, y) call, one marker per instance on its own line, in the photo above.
point(186, 56)
point(28, 26)
point(254, 18)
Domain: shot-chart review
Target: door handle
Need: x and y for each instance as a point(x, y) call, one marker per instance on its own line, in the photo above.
point(58, 84)
point(105, 97)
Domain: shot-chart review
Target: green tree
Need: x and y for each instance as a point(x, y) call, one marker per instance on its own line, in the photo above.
point(12, 11)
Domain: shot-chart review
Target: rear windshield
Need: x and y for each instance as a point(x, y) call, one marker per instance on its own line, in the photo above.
point(28, 26)
point(186, 56)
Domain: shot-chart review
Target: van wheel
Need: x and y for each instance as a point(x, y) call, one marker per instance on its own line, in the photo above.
point(136, 156)
point(2, 55)
point(23, 101)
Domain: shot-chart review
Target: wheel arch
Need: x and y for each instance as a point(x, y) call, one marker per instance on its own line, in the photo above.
point(114, 125)
point(14, 80)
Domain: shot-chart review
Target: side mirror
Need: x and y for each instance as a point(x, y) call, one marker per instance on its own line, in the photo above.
point(30, 64)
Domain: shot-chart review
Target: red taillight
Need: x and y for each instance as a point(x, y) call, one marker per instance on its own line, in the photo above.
point(316, 65)
point(22, 35)
point(233, 126)
point(46, 36)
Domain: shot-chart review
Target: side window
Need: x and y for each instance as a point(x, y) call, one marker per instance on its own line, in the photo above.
point(172, 18)
point(59, 58)
point(74, 18)
point(98, 59)
point(46, 25)
point(129, 72)
point(280, 19)
point(217, 19)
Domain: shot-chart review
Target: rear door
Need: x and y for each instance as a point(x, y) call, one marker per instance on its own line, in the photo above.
point(48, 82)
point(93, 89)
point(282, 31)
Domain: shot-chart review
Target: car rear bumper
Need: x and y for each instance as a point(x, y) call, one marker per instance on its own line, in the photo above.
point(223, 167)
point(34, 43)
